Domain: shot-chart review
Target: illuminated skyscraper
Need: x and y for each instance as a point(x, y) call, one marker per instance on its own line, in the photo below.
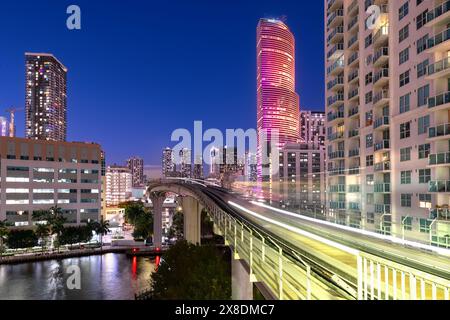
point(3, 127)
point(277, 102)
point(168, 166)
point(136, 166)
point(45, 98)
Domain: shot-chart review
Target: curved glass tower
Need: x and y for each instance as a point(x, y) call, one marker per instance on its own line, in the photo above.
point(278, 103)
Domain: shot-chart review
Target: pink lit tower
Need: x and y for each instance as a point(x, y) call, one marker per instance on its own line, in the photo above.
point(278, 103)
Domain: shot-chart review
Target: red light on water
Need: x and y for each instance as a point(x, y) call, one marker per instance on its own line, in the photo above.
point(134, 267)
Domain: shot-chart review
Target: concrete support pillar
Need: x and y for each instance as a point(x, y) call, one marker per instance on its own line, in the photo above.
point(192, 211)
point(241, 286)
point(158, 202)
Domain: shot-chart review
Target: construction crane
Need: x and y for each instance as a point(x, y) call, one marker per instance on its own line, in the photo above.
point(12, 121)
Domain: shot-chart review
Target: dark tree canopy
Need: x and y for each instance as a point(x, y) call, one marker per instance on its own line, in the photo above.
point(193, 273)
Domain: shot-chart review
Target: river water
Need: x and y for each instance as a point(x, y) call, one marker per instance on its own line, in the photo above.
point(107, 277)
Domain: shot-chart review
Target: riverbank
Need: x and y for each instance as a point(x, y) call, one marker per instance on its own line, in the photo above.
point(78, 253)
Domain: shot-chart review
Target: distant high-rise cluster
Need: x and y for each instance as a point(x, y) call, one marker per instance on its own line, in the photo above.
point(46, 97)
point(136, 167)
point(277, 102)
point(168, 165)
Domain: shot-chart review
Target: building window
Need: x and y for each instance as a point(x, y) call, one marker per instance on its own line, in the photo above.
point(425, 201)
point(405, 177)
point(404, 78)
point(424, 176)
point(423, 94)
point(405, 103)
point(422, 68)
point(403, 11)
point(424, 124)
point(369, 141)
point(403, 33)
point(405, 130)
point(405, 154)
point(422, 44)
point(407, 223)
point(404, 56)
point(406, 200)
point(370, 180)
point(424, 225)
point(424, 151)
point(369, 161)
point(421, 19)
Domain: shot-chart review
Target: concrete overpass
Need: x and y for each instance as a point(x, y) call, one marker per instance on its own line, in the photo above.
point(290, 258)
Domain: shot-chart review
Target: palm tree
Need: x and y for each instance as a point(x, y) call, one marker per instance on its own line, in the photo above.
point(3, 233)
point(42, 232)
point(54, 219)
point(102, 229)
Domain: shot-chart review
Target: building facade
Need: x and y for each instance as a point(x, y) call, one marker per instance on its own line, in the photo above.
point(118, 185)
point(136, 166)
point(312, 128)
point(45, 97)
point(387, 115)
point(185, 165)
point(277, 102)
point(38, 175)
point(168, 165)
point(3, 127)
point(300, 183)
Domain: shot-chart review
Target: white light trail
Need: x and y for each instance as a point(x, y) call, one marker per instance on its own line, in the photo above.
point(298, 230)
point(413, 244)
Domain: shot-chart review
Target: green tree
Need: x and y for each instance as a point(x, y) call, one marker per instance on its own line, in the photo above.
point(101, 228)
point(3, 234)
point(20, 239)
point(208, 276)
point(54, 218)
point(143, 226)
point(42, 232)
point(133, 210)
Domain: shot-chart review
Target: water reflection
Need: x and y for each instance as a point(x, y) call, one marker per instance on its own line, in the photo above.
point(110, 277)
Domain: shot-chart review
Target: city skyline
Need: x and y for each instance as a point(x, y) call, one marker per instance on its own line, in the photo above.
point(83, 101)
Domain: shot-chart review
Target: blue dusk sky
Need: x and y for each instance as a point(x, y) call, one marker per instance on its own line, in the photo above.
point(140, 69)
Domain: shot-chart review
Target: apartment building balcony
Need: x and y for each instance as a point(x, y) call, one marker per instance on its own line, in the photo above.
point(351, 26)
point(335, 18)
point(381, 98)
point(353, 133)
point(381, 78)
point(353, 8)
point(439, 159)
point(336, 172)
point(353, 153)
point(439, 186)
point(381, 57)
point(337, 84)
point(336, 136)
point(439, 42)
point(335, 100)
point(382, 188)
point(383, 166)
point(354, 206)
point(384, 145)
point(353, 112)
point(383, 208)
point(354, 170)
point(333, 116)
point(353, 60)
point(336, 68)
point(439, 102)
point(440, 132)
point(337, 35)
point(340, 154)
point(336, 51)
point(353, 77)
point(439, 69)
point(353, 188)
point(337, 188)
point(381, 123)
point(440, 214)
point(381, 37)
point(353, 43)
point(340, 205)
point(353, 95)
point(332, 5)
point(439, 16)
